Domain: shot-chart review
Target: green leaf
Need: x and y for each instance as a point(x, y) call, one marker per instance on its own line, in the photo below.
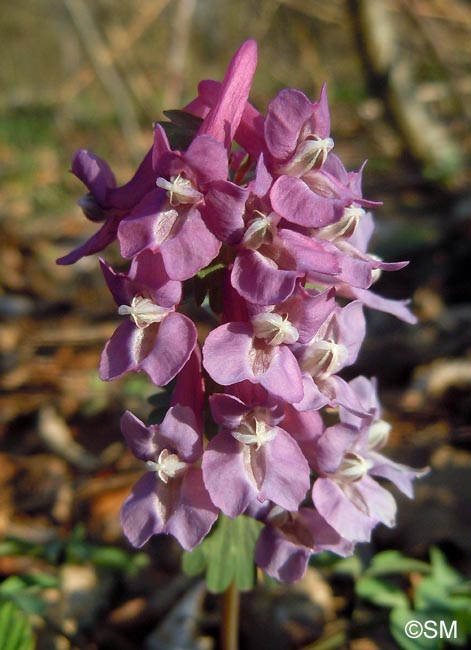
point(182, 128)
point(442, 572)
point(351, 566)
point(194, 562)
point(184, 119)
point(381, 593)
point(29, 602)
point(227, 554)
point(441, 589)
point(402, 620)
point(463, 589)
point(11, 547)
point(388, 562)
point(42, 580)
point(12, 585)
point(15, 629)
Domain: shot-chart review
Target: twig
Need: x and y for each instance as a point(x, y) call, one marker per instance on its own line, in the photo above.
point(178, 50)
point(101, 59)
point(426, 138)
point(330, 12)
point(432, 37)
point(118, 47)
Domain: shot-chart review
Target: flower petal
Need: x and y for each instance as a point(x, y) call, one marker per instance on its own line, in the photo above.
point(192, 248)
point(179, 427)
point(283, 377)
point(272, 285)
point(224, 117)
point(337, 509)
point(140, 518)
point(294, 201)
point(95, 173)
point(195, 513)
point(225, 475)
point(226, 353)
point(286, 479)
point(139, 438)
point(96, 243)
point(286, 114)
point(171, 349)
point(122, 352)
point(224, 209)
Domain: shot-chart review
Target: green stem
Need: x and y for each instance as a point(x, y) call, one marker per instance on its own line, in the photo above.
point(230, 618)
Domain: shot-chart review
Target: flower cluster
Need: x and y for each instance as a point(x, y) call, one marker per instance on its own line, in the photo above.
point(264, 201)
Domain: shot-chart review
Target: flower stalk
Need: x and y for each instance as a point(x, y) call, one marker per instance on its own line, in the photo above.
point(230, 618)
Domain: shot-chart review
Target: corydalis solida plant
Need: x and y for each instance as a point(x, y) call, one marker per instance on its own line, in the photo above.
point(259, 210)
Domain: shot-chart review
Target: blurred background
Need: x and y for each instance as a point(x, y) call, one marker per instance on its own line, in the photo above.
point(82, 74)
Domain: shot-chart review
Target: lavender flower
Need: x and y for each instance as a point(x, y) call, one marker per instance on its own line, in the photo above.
point(276, 231)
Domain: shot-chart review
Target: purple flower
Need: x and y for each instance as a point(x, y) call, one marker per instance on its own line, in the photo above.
point(154, 338)
point(345, 495)
point(297, 132)
point(277, 257)
point(360, 239)
point(170, 220)
point(289, 539)
point(104, 201)
point(252, 458)
point(171, 497)
point(259, 350)
point(348, 458)
point(374, 437)
point(335, 346)
point(281, 229)
point(225, 114)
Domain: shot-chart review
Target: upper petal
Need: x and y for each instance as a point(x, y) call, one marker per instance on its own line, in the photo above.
point(294, 201)
point(139, 438)
point(258, 279)
point(224, 117)
point(286, 114)
point(95, 173)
